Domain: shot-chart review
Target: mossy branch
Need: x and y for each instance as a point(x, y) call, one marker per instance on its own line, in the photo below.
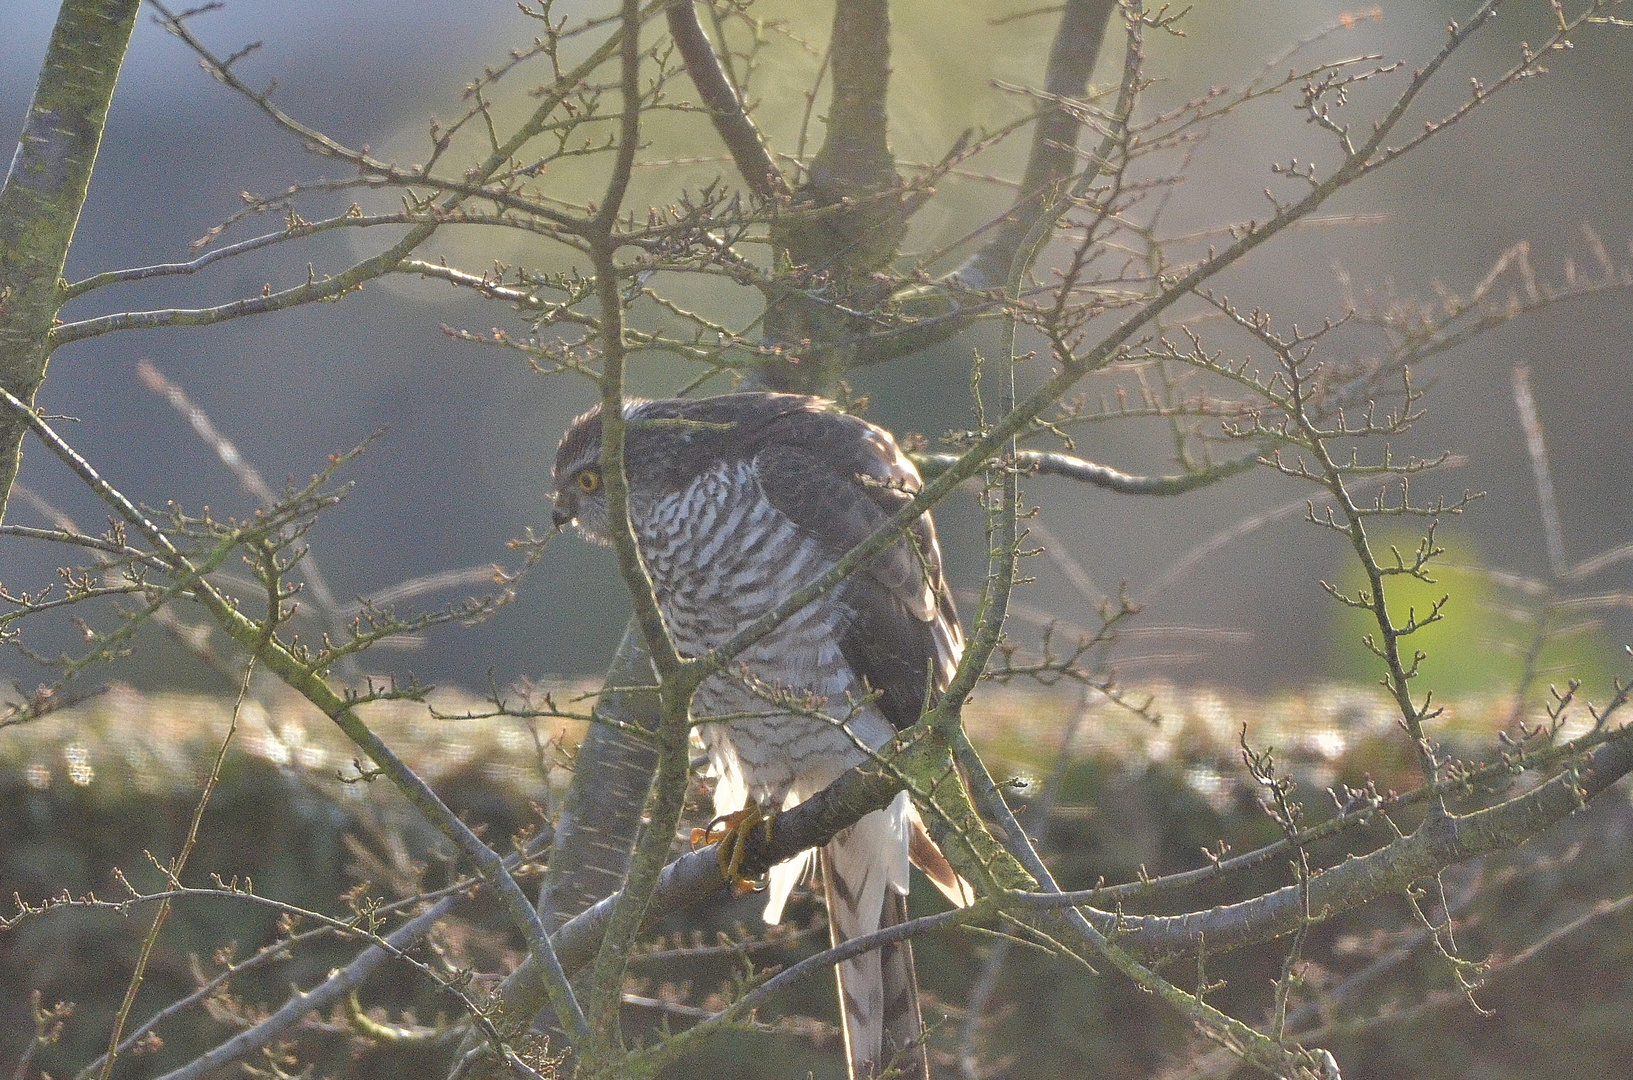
point(44, 192)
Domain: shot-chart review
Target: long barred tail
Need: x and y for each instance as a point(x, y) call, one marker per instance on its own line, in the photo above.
point(864, 876)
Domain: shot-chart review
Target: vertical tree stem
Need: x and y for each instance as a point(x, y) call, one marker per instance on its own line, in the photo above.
point(45, 190)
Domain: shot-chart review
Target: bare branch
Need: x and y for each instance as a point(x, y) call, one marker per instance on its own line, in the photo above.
point(1552, 531)
point(738, 132)
point(1053, 158)
point(1103, 476)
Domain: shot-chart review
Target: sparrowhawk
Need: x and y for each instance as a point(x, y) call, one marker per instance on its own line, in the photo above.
point(737, 501)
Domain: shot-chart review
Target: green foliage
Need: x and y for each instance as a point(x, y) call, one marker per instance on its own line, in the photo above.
point(1496, 635)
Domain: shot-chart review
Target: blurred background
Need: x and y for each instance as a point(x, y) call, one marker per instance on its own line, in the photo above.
point(467, 434)
point(1235, 627)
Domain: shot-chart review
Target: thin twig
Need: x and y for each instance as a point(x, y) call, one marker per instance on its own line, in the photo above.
point(173, 872)
point(1552, 531)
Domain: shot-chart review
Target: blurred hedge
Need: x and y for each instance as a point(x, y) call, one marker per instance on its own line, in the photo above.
point(94, 787)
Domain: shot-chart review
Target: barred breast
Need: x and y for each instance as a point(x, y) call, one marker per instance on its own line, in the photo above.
point(720, 556)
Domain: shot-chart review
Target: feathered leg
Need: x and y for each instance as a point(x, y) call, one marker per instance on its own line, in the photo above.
point(864, 876)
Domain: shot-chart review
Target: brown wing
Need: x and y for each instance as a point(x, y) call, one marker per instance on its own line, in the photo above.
point(839, 478)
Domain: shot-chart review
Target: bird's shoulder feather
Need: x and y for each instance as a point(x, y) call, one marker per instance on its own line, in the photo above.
point(838, 478)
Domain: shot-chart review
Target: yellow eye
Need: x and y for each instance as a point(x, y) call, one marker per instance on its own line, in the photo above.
point(588, 481)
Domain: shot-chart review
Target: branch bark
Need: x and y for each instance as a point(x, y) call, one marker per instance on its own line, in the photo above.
point(741, 137)
point(851, 220)
point(612, 771)
point(1050, 165)
point(1103, 476)
point(1053, 158)
point(45, 191)
point(855, 155)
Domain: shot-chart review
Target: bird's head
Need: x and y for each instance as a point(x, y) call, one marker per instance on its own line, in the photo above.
point(666, 445)
point(580, 494)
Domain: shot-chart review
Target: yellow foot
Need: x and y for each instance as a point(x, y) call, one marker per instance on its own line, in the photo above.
point(732, 832)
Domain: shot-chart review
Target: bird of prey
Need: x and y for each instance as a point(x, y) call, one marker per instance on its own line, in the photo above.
point(737, 501)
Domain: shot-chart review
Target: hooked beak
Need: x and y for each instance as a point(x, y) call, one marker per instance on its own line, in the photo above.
point(563, 513)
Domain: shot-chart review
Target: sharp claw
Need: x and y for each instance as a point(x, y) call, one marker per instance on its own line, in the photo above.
point(732, 832)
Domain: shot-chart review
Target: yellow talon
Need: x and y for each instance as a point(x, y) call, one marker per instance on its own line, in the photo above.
point(732, 832)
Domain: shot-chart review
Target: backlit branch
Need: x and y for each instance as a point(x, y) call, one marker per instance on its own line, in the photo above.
point(738, 132)
point(1053, 159)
